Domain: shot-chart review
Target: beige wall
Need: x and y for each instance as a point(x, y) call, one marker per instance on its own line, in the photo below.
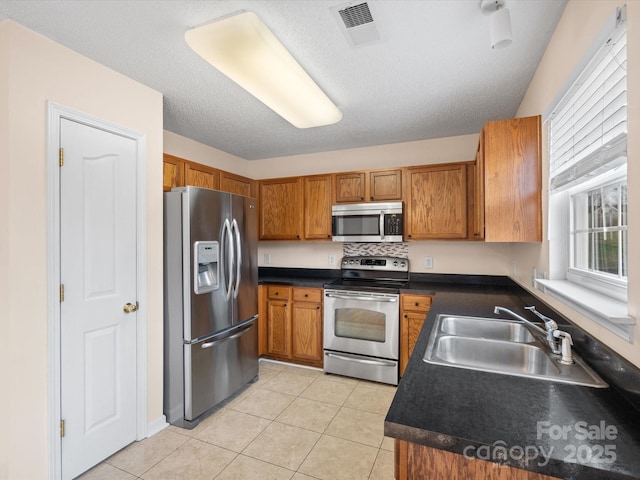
point(423, 152)
point(577, 29)
point(4, 242)
point(183, 147)
point(40, 70)
point(448, 257)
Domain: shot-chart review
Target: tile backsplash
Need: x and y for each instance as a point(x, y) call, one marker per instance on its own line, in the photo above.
point(400, 250)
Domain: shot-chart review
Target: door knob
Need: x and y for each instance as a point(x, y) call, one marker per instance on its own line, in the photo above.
point(130, 307)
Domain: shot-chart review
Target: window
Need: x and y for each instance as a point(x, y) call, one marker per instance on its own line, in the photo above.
point(598, 230)
point(588, 187)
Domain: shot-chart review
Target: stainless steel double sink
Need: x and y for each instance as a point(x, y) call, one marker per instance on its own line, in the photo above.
point(501, 346)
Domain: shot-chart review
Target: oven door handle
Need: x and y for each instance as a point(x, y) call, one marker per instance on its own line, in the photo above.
point(366, 299)
point(381, 363)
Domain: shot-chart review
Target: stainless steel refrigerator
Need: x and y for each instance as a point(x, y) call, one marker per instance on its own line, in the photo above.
point(210, 300)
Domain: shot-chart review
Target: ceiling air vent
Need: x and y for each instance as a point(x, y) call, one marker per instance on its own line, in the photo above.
point(357, 23)
point(356, 15)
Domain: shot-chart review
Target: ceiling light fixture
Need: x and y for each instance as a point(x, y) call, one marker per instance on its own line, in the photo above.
point(500, 22)
point(245, 50)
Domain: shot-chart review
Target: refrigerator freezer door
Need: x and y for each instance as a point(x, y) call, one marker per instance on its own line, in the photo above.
point(219, 366)
point(245, 296)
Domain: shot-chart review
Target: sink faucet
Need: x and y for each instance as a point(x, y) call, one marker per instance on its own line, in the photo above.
point(550, 331)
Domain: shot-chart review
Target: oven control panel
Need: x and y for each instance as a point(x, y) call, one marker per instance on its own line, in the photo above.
point(388, 264)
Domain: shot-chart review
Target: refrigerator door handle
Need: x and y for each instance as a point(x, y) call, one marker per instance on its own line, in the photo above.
point(238, 260)
point(231, 337)
point(227, 238)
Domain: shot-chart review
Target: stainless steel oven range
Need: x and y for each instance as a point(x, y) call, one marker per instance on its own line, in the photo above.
point(362, 318)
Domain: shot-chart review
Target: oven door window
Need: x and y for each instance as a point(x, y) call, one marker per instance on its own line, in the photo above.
point(356, 225)
point(360, 324)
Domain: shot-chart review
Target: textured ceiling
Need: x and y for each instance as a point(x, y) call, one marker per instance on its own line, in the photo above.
point(432, 75)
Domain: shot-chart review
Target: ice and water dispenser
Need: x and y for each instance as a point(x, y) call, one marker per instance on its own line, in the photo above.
point(206, 266)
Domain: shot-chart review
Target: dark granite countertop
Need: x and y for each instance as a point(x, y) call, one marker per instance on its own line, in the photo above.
point(483, 414)
point(296, 277)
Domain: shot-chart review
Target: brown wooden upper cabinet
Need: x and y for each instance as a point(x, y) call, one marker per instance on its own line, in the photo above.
point(436, 202)
point(200, 175)
point(508, 190)
point(385, 185)
point(281, 208)
point(178, 172)
point(368, 186)
point(172, 172)
point(237, 184)
point(317, 210)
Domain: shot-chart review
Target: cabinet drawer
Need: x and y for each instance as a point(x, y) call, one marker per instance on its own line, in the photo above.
point(416, 302)
point(307, 294)
point(277, 292)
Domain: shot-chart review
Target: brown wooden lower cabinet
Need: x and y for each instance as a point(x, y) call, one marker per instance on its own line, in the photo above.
point(413, 312)
point(418, 462)
point(291, 324)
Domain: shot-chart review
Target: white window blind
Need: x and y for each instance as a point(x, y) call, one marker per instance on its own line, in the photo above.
point(588, 128)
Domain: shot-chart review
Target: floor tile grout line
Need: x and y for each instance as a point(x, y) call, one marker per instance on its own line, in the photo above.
point(246, 456)
point(307, 429)
point(163, 458)
point(374, 464)
point(277, 371)
point(354, 441)
point(309, 453)
point(118, 468)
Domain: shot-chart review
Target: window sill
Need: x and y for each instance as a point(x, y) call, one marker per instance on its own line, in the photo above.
point(612, 314)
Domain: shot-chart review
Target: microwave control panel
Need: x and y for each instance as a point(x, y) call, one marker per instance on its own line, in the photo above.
point(393, 224)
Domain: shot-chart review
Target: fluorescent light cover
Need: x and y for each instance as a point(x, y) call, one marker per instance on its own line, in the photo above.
point(245, 50)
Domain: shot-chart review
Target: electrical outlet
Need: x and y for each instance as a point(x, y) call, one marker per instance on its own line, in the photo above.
point(428, 262)
point(267, 259)
point(331, 260)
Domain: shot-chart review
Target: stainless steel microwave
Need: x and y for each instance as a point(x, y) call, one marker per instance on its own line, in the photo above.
point(367, 222)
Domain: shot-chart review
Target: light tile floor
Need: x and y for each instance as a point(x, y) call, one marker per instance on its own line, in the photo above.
point(293, 423)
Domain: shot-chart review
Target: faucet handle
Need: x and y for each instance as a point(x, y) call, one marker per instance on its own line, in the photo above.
point(550, 323)
point(567, 341)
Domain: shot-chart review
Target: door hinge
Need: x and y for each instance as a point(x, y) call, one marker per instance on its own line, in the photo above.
point(61, 156)
point(62, 292)
point(61, 428)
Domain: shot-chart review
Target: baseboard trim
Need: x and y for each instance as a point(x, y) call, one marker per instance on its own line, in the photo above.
point(157, 425)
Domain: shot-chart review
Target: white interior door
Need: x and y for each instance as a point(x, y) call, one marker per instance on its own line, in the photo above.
point(98, 272)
